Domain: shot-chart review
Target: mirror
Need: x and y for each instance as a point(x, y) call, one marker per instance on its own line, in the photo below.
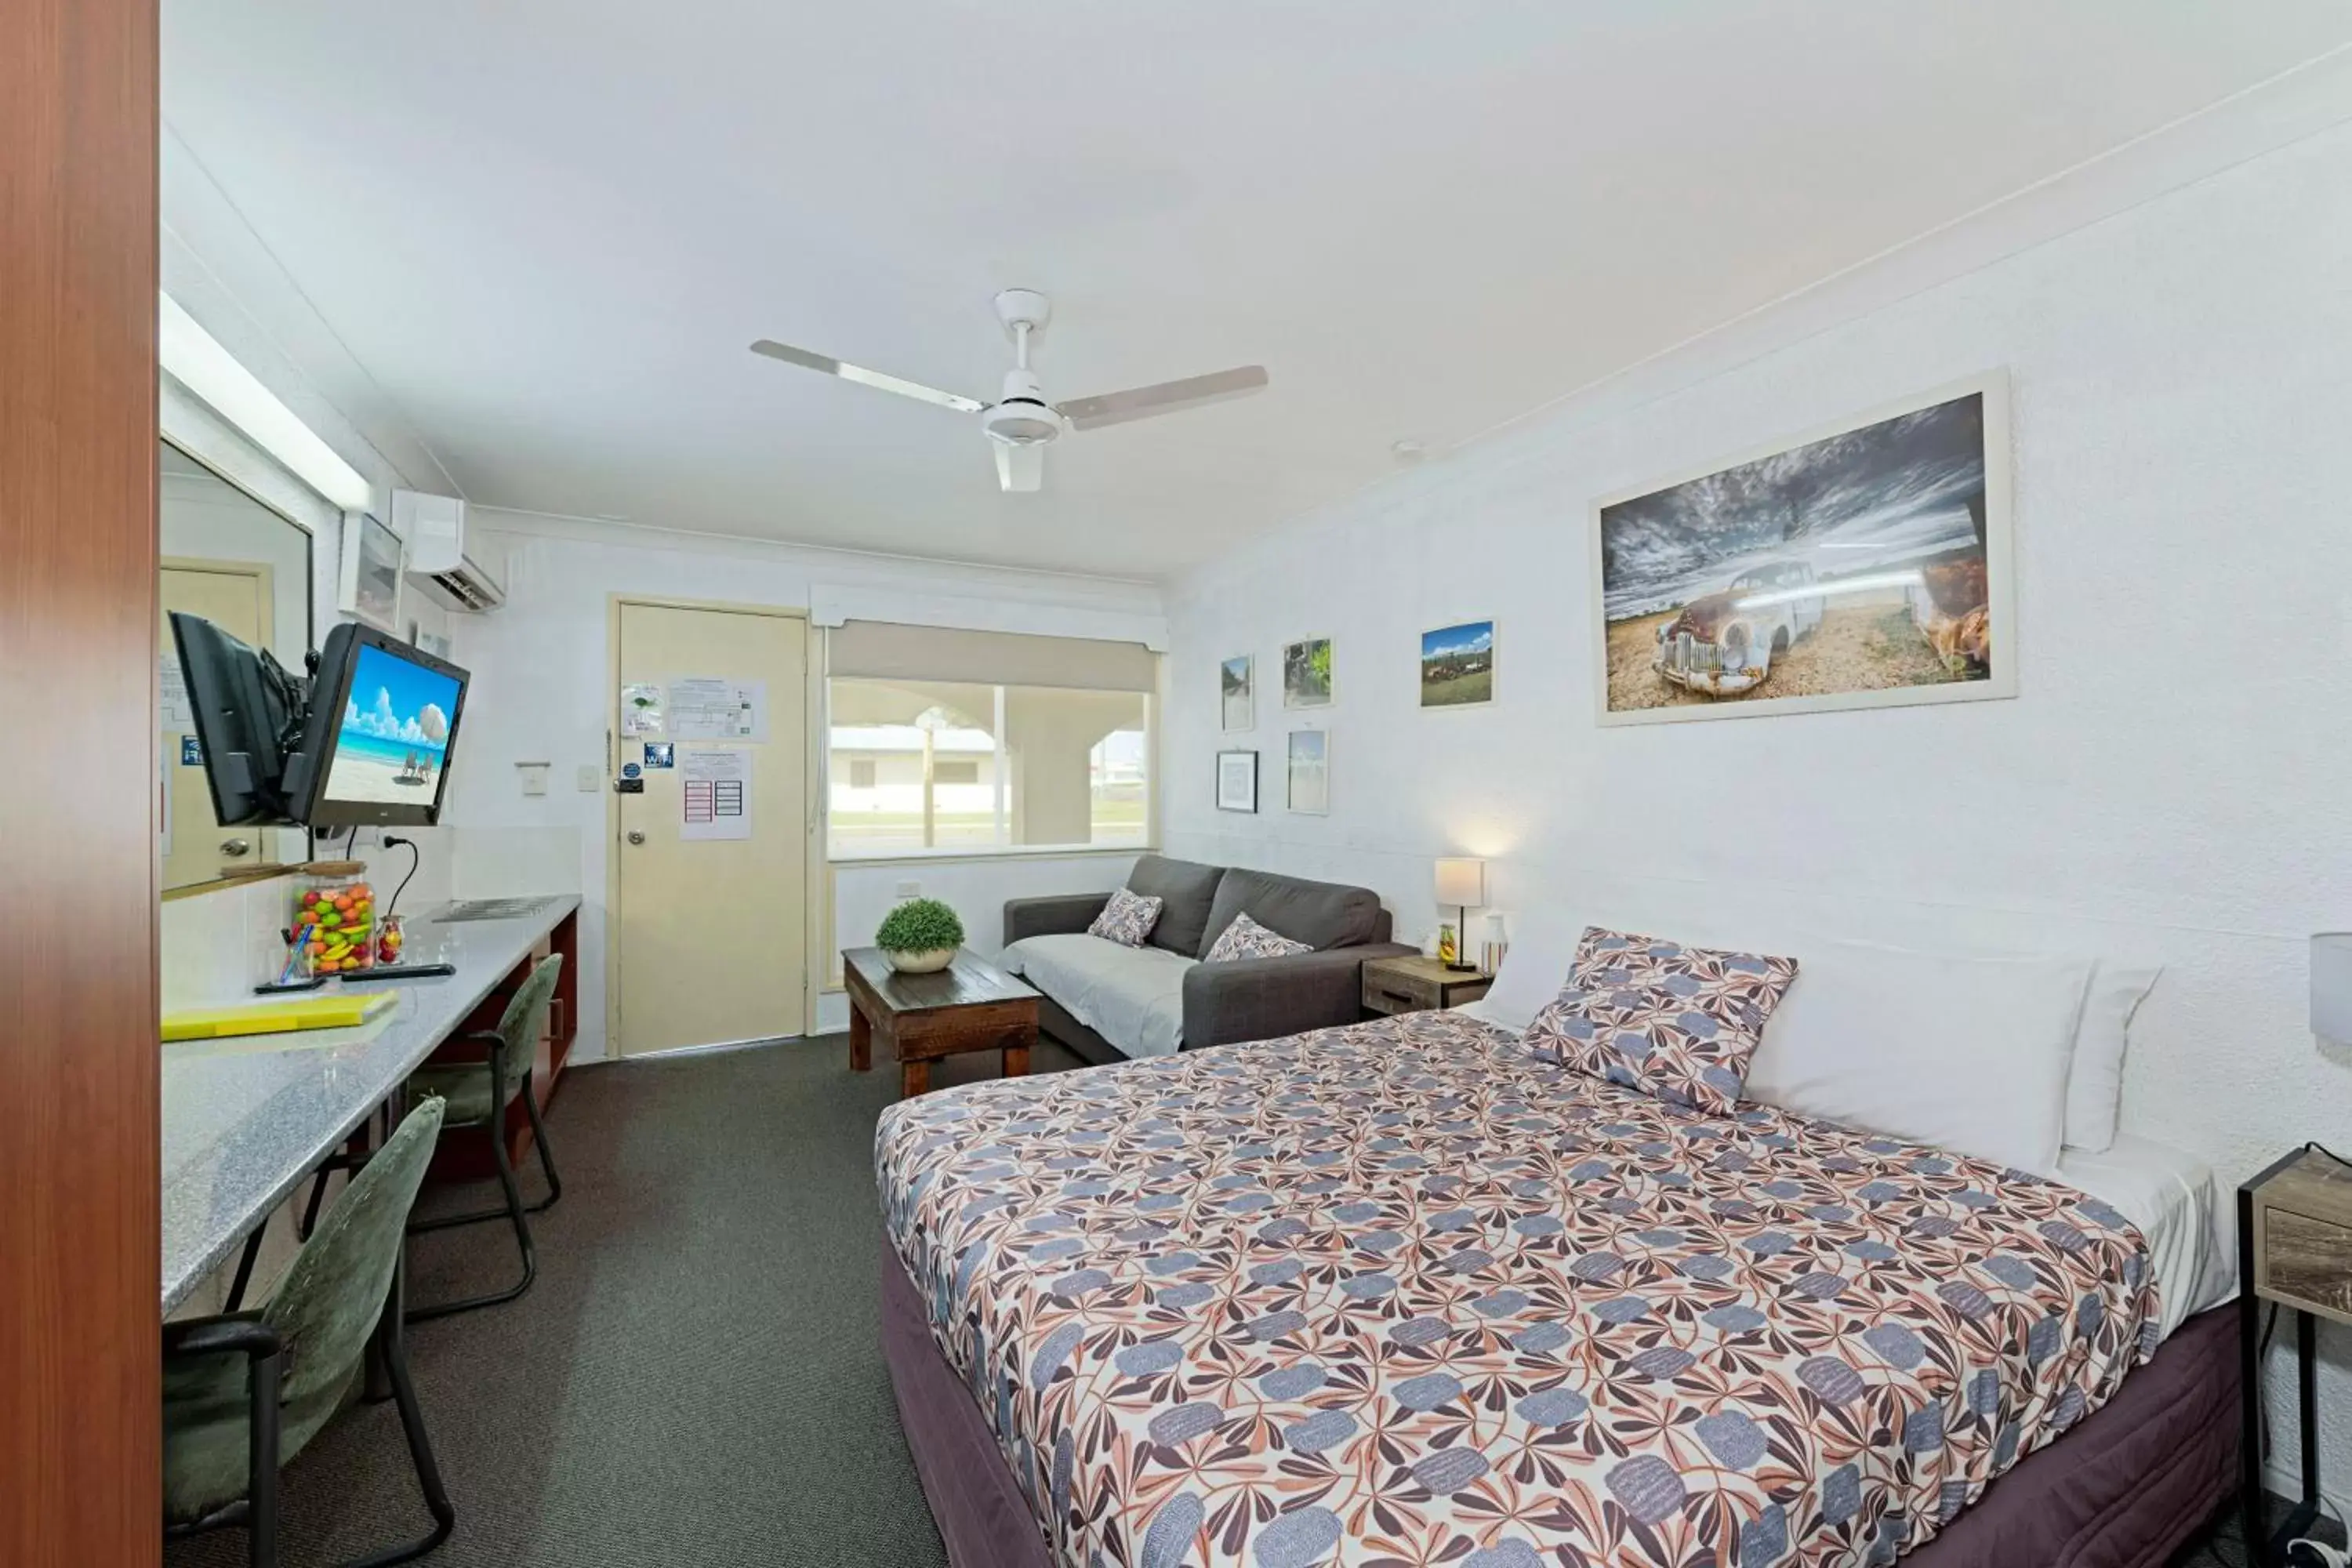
point(234, 560)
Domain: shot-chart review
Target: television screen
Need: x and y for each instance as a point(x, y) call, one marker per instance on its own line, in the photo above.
point(393, 745)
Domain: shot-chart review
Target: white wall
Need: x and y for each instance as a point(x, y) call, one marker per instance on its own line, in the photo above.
point(2167, 783)
point(540, 666)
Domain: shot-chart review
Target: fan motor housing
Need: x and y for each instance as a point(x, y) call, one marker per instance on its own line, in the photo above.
point(1021, 417)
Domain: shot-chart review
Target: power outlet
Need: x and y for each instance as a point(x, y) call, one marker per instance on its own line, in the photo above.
point(589, 781)
point(910, 890)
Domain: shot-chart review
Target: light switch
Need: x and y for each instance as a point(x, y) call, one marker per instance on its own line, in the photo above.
point(590, 781)
point(910, 890)
point(533, 776)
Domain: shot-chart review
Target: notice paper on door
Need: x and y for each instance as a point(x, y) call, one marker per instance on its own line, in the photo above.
point(715, 794)
point(707, 709)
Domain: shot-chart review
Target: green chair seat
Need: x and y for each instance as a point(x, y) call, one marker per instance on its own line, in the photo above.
point(294, 1363)
point(478, 1093)
point(207, 1429)
point(465, 1086)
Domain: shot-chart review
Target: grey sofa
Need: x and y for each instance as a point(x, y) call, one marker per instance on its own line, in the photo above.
point(1148, 994)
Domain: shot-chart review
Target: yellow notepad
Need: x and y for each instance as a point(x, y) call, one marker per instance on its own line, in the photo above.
point(283, 1016)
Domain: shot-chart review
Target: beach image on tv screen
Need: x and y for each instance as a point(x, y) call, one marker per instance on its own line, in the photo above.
point(395, 734)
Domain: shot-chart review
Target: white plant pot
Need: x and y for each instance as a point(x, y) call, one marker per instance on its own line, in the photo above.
point(928, 962)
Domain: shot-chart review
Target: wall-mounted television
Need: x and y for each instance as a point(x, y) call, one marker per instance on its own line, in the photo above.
point(382, 728)
point(365, 739)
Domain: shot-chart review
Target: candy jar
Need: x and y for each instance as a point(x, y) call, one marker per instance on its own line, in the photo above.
point(334, 917)
point(388, 939)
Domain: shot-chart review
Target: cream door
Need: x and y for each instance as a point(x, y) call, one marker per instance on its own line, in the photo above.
point(236, 596)
point(712, 905)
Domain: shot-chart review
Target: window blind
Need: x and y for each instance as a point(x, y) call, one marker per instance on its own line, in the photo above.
point(887, 650)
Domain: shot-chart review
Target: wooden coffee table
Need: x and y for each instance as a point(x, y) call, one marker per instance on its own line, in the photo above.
point(971, 1005)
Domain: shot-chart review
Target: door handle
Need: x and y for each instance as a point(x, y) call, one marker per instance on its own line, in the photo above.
point(235, 847)
point(637, 837)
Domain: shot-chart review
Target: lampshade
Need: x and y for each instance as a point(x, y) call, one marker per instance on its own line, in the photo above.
point(1462, 882)
point(2331, 986)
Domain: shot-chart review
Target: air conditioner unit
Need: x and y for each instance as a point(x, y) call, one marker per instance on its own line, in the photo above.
point(455, 568)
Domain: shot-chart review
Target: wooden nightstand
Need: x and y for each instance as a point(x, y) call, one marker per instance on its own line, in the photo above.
point(1418, 984)
point(2295, 1250)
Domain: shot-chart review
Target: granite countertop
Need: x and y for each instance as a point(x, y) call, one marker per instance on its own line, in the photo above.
point(246, 1118)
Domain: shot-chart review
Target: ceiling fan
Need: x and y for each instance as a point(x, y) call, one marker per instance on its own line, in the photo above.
point(1020, 424)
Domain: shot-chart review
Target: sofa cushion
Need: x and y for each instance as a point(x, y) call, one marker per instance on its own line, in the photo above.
point(1132, 996)
point(1323, 915)
point(1185, 890)
point(1247, 938)
point(1127, 919)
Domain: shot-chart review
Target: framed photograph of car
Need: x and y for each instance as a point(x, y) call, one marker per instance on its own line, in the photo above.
point(1865, 564)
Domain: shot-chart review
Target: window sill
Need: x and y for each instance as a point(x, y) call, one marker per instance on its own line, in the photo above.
point(1009, 852)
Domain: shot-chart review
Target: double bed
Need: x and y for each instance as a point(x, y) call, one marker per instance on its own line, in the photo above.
point(1408, 1292)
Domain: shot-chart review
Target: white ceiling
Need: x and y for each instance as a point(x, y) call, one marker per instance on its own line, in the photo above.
point(548, 228)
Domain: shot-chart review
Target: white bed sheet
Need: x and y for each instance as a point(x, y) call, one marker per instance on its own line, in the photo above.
point(2172, 1196)
point(2175, 1200)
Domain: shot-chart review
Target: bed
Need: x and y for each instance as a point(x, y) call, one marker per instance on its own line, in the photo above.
point(1403, 1291)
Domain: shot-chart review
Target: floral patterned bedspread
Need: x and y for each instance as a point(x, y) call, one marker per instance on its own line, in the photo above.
point(1400, 1293)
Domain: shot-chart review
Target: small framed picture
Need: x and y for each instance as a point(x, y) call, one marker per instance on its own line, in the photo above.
point(1457, 666)
point(369, 589)
point(1237, 781)
point(1237, 685)
point(1309, 773)
point(1307, 673)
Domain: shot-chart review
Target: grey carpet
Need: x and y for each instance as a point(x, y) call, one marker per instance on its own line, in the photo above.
point(694, 1379)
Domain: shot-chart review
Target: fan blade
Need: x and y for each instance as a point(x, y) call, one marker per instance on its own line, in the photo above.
point(1019, 468)
point(1165, 398)
point(864, 377)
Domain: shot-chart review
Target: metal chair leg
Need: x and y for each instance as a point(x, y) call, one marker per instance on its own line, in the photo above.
point(546, 1153)
point(514, 1211)
point(261, 1460)
point(244, 1262)
point(420, 1453)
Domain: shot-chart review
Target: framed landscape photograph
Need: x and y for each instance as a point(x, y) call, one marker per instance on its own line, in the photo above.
point(1457, 666)
point(1863, 565)
point(1237, 781)
point(1237, 687)
point(1309, 771)
point(1307, 673)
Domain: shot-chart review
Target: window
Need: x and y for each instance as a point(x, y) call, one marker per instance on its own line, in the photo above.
point(920, 764)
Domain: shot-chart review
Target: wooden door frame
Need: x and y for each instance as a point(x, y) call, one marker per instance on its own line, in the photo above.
point(812, 867)
point(80, 1230)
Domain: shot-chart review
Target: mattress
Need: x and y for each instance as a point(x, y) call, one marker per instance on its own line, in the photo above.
point(1402, 1290)
point(2173, 1198)
point(2125, 1490)
point(2175, 1202)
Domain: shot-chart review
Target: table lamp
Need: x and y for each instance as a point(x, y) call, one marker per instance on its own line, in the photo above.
point(2331, 986)
point(1462, 883)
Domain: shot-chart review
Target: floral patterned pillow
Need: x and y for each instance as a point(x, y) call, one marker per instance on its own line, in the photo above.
point(1247, 938)
point(1647, 1037)
point(1678, 1023)
point(1127, 919)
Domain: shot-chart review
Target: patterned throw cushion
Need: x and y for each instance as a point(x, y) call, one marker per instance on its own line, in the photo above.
point(1247, 938)
point(1127, 919)
point(1648, 1039)
point(1678, 1023)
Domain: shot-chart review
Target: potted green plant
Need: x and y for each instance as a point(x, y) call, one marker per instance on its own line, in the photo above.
point(920, 936)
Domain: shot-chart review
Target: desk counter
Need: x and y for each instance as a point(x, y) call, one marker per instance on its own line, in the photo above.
point(246, 1118)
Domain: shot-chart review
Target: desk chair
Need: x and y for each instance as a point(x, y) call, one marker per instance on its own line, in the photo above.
point(478, 1094)
point(246, 1392)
